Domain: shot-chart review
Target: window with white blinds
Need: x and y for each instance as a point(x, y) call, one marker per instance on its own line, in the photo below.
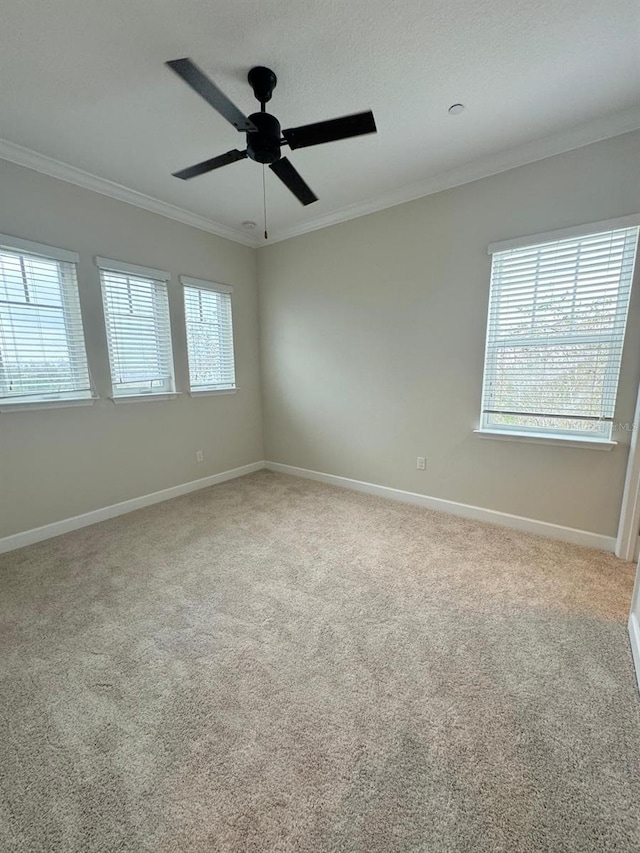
point(42, 350)
point(136, 311)
point(207, 311)
point(556, 325)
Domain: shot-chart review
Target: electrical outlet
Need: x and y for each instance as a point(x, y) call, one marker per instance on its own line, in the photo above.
point(421, 463)
point(199, 456)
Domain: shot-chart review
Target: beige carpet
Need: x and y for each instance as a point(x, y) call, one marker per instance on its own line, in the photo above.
point(274, 665)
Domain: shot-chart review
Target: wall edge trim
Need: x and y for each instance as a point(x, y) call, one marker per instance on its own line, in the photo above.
point(76, 522)
point(634, 639)
point(476, 513)
point(30, 159)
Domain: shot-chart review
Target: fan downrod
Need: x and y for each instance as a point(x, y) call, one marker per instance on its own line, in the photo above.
point(263, 81)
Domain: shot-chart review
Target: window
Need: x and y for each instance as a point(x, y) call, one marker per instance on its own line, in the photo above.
point(207, 311)
point(557, 315)
point(136, 310)
point(42, 351)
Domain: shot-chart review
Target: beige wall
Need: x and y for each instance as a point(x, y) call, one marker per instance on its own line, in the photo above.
point(61, 462)
point(373, 338)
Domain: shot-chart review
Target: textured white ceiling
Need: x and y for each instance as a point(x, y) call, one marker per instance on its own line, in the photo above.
point(83, 82)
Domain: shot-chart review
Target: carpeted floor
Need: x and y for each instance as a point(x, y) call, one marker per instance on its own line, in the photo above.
point(273, 665)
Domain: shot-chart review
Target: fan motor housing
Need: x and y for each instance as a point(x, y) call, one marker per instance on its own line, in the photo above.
point(263, 144)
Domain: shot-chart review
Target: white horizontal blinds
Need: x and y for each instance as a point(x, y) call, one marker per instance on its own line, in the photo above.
point(209, 338)
point(557, 317)
point(42, 350)
point(136, 310)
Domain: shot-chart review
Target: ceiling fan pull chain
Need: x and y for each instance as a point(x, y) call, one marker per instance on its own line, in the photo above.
point(264, 202)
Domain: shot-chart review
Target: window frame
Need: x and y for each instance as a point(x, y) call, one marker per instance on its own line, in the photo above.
point(215, 287)
point(160, 281)
point(598, 438)
point(73, 323)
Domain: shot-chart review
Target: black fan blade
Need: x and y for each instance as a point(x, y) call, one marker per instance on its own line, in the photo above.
point(210, 165)
point(201, 84)
point(330, 131)
point(293, 181)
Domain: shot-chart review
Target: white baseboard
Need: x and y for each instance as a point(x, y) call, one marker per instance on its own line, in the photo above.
point(517, 522)
point(47, 531)
point(477, 513)
point(634, 638)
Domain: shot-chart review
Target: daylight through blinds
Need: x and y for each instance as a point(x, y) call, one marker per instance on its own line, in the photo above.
point(557, 316)
point(42, 351)
point(209, 338)
point(136, 310)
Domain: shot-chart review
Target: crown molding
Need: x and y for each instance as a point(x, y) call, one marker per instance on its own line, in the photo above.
point(64, 172)
point(597, 130)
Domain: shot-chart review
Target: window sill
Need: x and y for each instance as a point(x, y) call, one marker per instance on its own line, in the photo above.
point(212, 391)
point(142, 398)
point(46, 404)
point(530, 438)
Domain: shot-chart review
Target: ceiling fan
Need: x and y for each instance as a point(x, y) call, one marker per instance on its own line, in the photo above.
point(264, 136)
